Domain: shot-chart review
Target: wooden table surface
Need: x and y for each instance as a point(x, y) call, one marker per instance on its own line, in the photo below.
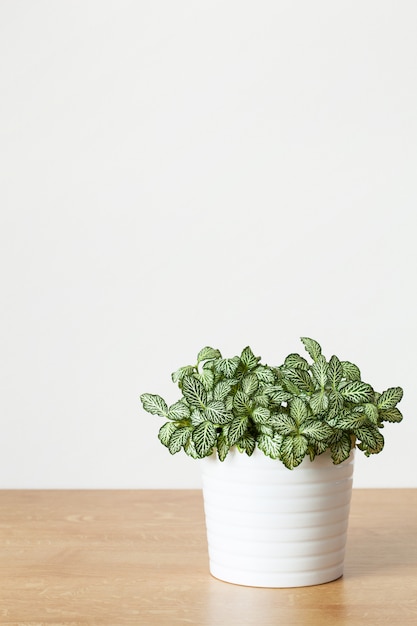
point(140, 557)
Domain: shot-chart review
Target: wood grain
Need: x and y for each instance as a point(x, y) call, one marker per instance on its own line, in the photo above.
point(120, 557)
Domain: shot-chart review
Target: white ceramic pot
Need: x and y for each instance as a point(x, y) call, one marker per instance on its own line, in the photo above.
point(268, 526)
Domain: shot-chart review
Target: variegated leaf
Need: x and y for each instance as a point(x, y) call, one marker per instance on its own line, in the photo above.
point(350, 371)
point(165, 433)
point(296, 361)
point(204, 437)
point(340, 449)
point(154, 404)
point(208, 353)
point(334, 372)
point(277, 393)
point(228, 367)
point(261, 415)
point(319, 402)
point(179, 411)
point(264, 374)
point(390, 398)
point(222, 447)
point(249, 384)
point(246, 444)
point(319, 370)
point(248, 359)
point(178, 439)
point(313, 348)
point(293, 450)
point(216, 412)
point(222, 389)
point(298, 410)
point(357, 391)
point(316, 429)
point(391, 415)
point(194, 392)
point(285, 425)
point(236, 429)
point(177, 376)
point(270, 445)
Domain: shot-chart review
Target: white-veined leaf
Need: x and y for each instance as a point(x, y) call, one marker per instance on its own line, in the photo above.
point(298, 410)
point(189, 448)
point(217, 413)
point(249, 384)
point(181, 372)
point(276, 393)
point(222, 447)
point(319, 402)
point(197, 417)
point(293, 450)
point(390, 398)
point(264, 374)
point(249, 360)
point(178, 439)
point(367, 436)
point(208, 353)
point(204, 437)
point(222, 389)
point(242, 403)
point(165, 433)
point(340, 449)
point(179, 411)
point(300, 378)
point(391, 415)
point(261, 415)
point(227, 367)
point(371, 412)
point(284, 424)
point(236, 429)
point(334, 372)
point(154, 404)
point(296, 360)
point(319, 370)
point(206, 377)
point(270, 446)
point(290, 386)
point(313, 348)
point(316, 430)
point(246, 444)
point(357, 391)
point(350, 371)
point(376, 447)
point(194, 392)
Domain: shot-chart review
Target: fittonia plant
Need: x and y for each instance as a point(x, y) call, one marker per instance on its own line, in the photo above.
point(288, 412)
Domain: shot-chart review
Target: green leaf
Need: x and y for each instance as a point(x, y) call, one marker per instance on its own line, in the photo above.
point(371, 412)
point(350, 371)
point(313, 348)
point(242, 403)
point(204, 437)
point(194, 392)
point(178, 439)
point(391, 415)
point(335, 403)
point(228, 367)
point(154, 404)
point(357, 391)
point(367, 436)
point(261, 415)
point(249, 360)
point(222, 389)
point(237, 429)
point(340, 449)
point(197, 417)
point(189, 448)
point(250, 384)
point(179, 411)
point(285, 425)
point(208, 353)
point(372, 444)
point(316, 430)
point(300, 378)
point(298, 410)
point(177, 376)
point(270, 445)
point(290, 387)
point(264, 374)
point(222, 447)
point(206, 377)
point(390, 398)
point(216, 412)
point(293, 450)
point(165, 433)
point(277, 393)
point(351, 421)
point(247, 444)
point(319, 370)
point(296, 361)
point(335, 372)
point(319, 402)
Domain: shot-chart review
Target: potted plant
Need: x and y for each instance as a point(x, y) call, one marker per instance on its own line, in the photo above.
point(277, 445)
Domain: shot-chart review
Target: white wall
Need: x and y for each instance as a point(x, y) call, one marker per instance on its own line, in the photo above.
point(177, 174)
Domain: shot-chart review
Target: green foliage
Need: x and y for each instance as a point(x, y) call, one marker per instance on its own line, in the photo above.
point(289, 412)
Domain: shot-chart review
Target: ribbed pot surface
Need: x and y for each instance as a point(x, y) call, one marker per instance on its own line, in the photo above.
point(268, 526)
